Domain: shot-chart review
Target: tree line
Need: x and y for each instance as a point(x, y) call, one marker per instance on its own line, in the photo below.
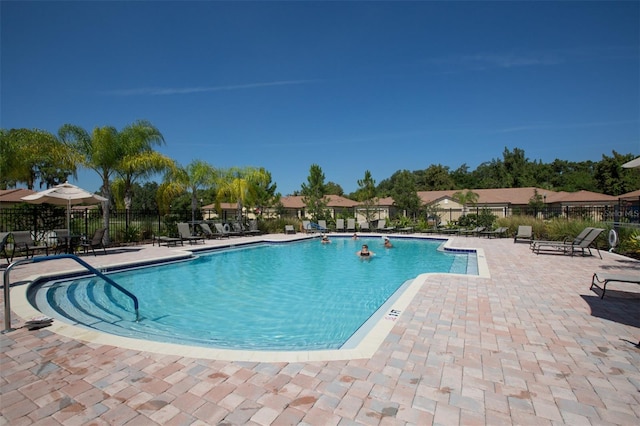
point(126, 159)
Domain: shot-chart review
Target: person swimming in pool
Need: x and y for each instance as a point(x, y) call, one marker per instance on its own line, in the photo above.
point(325, 240)
point(364, 251)
point(387, 243)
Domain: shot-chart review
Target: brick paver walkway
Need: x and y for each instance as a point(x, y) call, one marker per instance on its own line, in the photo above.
point(530, 345)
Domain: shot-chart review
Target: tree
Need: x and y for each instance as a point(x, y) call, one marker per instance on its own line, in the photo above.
point(100, 151)
point(367, 194)
point(333, 188)
point(404, 193)
point(266, 195)
point(140, 161)
point(313, 193)
point(614, 180)
point(195, 176)
point(517, 169)
point(466, 197)
point(436, 177)
point(241, 186)
point(30, 155)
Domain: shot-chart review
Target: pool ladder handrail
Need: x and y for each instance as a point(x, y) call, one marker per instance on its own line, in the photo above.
point(7, 302)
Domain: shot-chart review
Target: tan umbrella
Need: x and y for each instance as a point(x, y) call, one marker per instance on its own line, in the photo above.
point(64, 194)
point(632, 164)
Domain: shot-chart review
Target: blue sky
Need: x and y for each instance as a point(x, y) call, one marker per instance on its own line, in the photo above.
point(351, 86)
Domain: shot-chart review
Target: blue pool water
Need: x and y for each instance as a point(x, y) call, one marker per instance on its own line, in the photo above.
point(287, 296)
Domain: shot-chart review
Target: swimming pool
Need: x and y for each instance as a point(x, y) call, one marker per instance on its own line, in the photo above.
point(293, 296)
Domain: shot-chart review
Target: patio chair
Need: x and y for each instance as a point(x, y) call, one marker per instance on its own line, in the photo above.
point(498, 232)
point(237, 229)
point(4, 239)
point(253, 228)
point(185, 234)
point(206, 231)
point(221, 232)
point(602, 278)
point(382, 226)
point(95, 241)
point(289, 229)
point(339, 225)
point(322, 226)
point(580, 243)
point(167, 241)
point(364, 226)
point(525, 233)
point(23, 243)
point(351, 225)
point(555, 244)
point(475, 231)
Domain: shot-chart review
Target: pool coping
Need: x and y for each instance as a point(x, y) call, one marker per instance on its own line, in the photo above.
point(374, 336)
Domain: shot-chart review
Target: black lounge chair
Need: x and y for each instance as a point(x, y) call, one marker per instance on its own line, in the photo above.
point(498, 232)
point(185, 234)
point(167, 241)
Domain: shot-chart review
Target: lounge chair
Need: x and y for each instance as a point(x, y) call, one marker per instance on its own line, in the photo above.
point(364, 226)
point(206, 231)
point(95, 241)
point(23, 242)
point(602, 278)
point(237, 229)
point(4, 238)
point(167, 241)
point(339, 225)
point(382, 226)
point(306, 226)
point(289, 229)
point(185, 234)
point(582, 242)
point(221, 231)
point(498, 232)
point(253, 228)
point(525, 233)
point(322, 226)
point(351, 225)
point(555, 244)
point(475, 231)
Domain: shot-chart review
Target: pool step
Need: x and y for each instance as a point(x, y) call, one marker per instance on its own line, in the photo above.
point(97, 305)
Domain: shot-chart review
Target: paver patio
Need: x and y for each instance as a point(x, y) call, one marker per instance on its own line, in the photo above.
point(532, 344)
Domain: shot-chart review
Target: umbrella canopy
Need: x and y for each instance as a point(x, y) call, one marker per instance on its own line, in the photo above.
point(632, 164)
point(64, 194)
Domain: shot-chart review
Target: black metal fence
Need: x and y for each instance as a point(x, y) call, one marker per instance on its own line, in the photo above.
point(140, 225)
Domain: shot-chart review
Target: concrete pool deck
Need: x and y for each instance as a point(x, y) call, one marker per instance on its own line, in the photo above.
point(528, 343)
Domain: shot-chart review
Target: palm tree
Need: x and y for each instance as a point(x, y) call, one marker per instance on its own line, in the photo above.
point(99, 151)
point(241, 185)
point(29, 155)
point(128, 153)
point(464, 198)
point(140, 161)
point(195, 176)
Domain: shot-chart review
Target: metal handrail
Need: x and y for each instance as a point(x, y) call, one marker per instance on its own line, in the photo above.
point(7, 303)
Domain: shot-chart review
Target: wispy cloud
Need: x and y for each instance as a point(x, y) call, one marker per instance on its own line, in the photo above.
point(483, 61)
point(546, 126)
point(164, 91)
point(486, 61)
